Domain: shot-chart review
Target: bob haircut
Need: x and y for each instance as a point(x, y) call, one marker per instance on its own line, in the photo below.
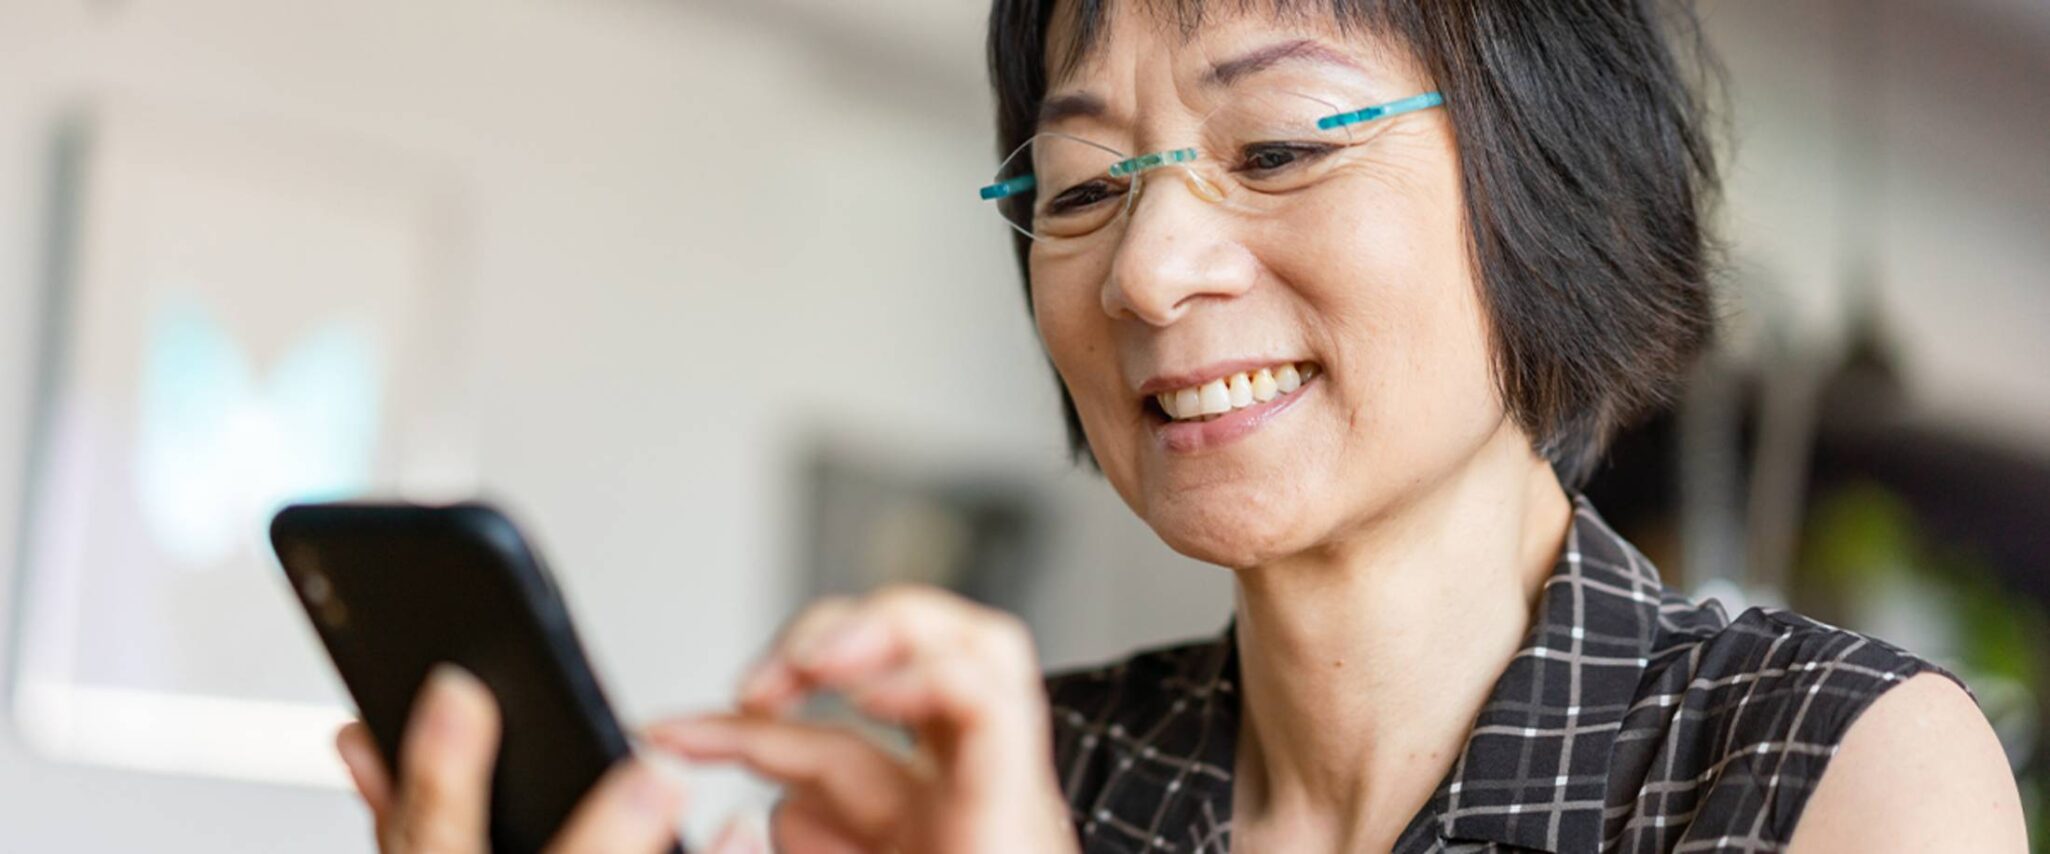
point(1587, 167)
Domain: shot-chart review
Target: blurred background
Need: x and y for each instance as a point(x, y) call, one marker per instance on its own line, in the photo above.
point(698, 290)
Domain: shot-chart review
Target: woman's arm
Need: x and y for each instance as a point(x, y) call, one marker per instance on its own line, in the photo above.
point(1920, 770)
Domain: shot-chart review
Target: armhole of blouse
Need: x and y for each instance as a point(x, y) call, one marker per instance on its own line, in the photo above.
point(1786, 817)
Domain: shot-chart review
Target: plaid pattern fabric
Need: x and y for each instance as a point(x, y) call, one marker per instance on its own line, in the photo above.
point(1631, 719)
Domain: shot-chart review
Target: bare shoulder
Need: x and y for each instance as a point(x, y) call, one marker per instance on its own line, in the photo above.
point(1919, 770)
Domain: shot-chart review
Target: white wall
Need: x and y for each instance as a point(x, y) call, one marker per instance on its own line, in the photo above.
point(693, 236)
point(696, 232)
point(1958, 195)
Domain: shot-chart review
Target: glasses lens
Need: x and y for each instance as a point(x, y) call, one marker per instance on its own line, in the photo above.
point(1071, 192)
point(1268, 142)
point(1258, 149)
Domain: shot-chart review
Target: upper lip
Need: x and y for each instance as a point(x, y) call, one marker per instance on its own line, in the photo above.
point(1213, 371)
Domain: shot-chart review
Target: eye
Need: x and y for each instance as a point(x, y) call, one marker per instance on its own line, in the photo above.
point(1081, 196)
point(1263, 158)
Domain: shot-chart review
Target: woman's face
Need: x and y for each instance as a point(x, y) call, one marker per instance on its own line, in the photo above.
point(1364, 276)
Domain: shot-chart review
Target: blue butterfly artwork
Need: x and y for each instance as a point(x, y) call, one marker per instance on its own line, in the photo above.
point(222, 442)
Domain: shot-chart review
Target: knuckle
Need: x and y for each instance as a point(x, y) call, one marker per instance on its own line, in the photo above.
point(812, 620)
point(820, 610)
point(1010, 631)
point(903, 595)
point(997, 633)
point(923, 605)
point(1005, 650)
point(431, 791)
point(429, 834)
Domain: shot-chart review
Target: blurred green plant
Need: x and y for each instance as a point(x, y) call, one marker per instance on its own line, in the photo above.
point(1866, 563)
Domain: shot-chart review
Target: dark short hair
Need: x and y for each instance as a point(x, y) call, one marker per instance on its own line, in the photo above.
point(1588, 170)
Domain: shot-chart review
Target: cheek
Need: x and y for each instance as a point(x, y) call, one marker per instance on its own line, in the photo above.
point(1078, 338)
point(1071, 326)
point(1386, 278)
point(1062, 328)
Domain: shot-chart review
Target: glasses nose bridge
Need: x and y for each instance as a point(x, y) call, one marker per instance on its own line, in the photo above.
point(1169, 217)
point(1191, 174)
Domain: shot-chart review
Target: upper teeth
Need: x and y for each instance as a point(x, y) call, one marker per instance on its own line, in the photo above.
point(1239, 390)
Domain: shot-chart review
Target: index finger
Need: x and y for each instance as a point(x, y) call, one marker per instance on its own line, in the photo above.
point(885, 629)
point(862, 787)
point(772, 683)
point(967, 655)
point(366, 768)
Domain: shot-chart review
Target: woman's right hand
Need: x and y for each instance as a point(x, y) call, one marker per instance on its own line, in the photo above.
point(961, 677)
point(440, 801)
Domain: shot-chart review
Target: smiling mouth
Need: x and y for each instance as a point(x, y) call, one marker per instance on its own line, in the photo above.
point(1220, 397)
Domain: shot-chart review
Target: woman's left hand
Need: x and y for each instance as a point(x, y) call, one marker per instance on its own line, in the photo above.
point(964, 679)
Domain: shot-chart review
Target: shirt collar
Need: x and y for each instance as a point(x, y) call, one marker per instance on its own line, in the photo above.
point(1576, 672)
point(1534, 770)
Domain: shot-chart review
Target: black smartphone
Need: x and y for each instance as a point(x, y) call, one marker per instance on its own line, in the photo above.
point(394, 589)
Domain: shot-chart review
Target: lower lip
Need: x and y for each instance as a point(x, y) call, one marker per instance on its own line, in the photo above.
point(1193, 437)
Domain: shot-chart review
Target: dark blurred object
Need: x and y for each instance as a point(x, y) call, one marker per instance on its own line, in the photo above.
point(877, 521)
point(1919, 533)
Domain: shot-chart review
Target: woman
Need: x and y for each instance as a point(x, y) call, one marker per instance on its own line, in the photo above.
point(1345, 296)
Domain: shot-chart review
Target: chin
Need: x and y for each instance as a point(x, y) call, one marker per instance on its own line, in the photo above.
point(1236, 531)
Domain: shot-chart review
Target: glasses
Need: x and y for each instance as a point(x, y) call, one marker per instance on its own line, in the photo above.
point(1256, 155)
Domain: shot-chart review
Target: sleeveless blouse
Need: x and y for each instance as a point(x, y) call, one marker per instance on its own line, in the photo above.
point(1632, 718)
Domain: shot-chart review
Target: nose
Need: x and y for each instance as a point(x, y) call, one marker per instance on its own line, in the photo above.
point(1178, 248)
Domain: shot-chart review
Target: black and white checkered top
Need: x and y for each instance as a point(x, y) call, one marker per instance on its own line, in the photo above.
point(1631, 719)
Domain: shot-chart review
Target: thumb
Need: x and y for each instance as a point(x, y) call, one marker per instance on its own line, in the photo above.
point(445, 764)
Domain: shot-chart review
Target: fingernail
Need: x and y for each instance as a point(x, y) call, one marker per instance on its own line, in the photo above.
point(823, 637)
point(846, 643)
point(448, 686)
point(356, 754)
point(450, 677)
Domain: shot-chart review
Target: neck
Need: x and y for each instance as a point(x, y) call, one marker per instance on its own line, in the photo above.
point(1365, 662)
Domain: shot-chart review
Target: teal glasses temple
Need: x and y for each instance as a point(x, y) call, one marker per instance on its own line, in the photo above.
point(1393, 108)
point(1136, 165)
point(1002, 189)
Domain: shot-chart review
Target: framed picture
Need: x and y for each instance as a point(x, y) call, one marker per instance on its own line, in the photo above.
point(237, 315)
point(877, 518)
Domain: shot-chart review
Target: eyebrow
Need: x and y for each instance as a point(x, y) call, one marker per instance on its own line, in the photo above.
point(1232, 70)
point(1071, 105)
point(1089, 105)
